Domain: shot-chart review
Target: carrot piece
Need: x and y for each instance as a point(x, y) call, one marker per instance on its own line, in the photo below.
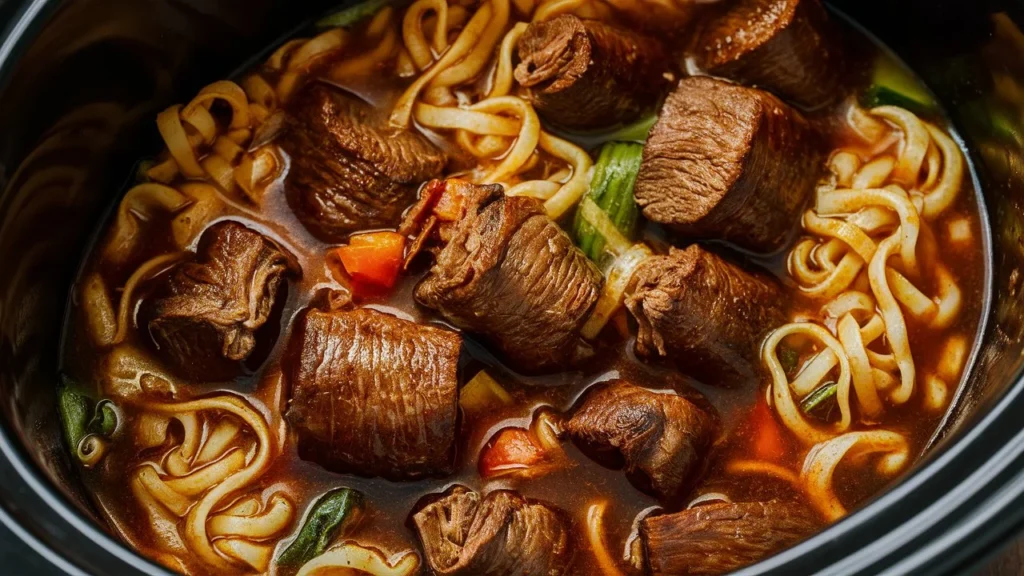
point(374, 258)
point(767, 438)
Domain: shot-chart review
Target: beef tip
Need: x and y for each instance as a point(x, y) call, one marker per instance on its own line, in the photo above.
point(500, 535)
point(718, 538)
point(373, 394)
point(663, 16)
point(203, 315)
point(728, 162)
point(349, 169)
point(788, 47)
point(586, 74)
point(509, 274)
point(660, 438)
point(705, 313)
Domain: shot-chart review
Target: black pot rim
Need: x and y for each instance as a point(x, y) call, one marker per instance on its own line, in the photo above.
point(983, 462)
point(22, 28)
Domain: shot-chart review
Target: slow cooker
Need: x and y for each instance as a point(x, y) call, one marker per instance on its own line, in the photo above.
point(80, 81)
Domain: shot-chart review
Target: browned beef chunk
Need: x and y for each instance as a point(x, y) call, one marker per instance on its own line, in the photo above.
point(719, 538)
point(586, 74)
point(705, 313)
point(663, 16)
point(203, 315)
point(788, 47)
point(349, 169)
point(660, 438)
point(373, 394)
point(510, 275)
point(728, 162)
point(500, 535)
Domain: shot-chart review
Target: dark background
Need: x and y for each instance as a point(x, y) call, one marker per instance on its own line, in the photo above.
point(20, 560)
point(16, 557)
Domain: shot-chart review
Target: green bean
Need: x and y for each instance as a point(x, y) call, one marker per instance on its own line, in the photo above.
point(821, 402)
point(75, 414)
point(352, 14)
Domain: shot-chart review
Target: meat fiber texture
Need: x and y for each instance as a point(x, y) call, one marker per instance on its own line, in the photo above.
point(203, 315)
point(705, 313)
point(500, 534)
point(660, 438)
point(585, 74)
point(714, 539)
point(350, 170)
point(662, 16)
point(788, 47)
point(374, 394)
point(510, 275)
point(729, 163)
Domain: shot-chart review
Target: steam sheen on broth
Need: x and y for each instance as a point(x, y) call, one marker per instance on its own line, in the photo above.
point(312, 337)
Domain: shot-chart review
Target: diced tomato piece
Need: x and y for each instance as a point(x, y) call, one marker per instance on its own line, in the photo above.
point(385, 241)
point(374, 259)
point(451, 204)
point(449, 207)
point(511, 450)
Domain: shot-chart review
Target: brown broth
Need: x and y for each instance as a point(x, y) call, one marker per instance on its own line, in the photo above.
point(572, 488)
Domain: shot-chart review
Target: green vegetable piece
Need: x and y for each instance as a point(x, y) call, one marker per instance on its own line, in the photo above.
point(894, 85)
point(611, 188)
point(75, 413)
point(789, 359)
point(352, 14)
point(820, 403)
point(635, 132)
point(104, 422)
point(81, 416)
point(142, 169)
point(329, 517)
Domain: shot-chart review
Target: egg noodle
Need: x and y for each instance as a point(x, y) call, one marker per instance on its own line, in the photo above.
point(199, 491)
point(870, 261)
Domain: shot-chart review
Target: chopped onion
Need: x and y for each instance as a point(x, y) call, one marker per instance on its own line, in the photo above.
point(615, 242)
point(708, 497)
point(959, 231)
point(483, 393)
point(614, 292)
point(546, 430)
point(633, 552)
point(953, 358)
point(595, 533)
point(351, 559)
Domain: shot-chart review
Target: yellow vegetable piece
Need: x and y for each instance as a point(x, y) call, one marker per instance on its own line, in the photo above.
point(483, 393)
